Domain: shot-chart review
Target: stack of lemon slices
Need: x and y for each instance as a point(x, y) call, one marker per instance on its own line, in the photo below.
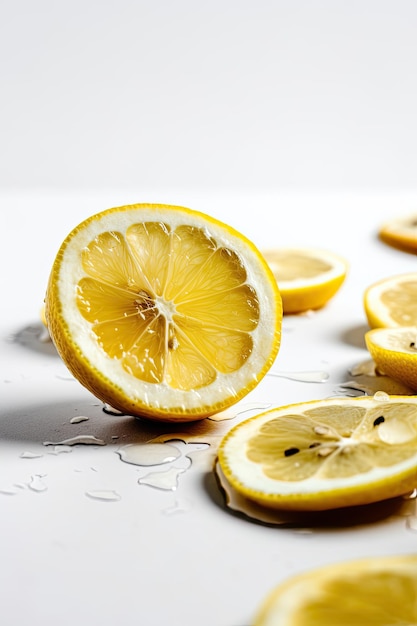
point(163, 312)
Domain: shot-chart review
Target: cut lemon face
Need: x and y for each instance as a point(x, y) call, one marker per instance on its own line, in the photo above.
point(400, 233)
point(325, 454)
point(394, 351)
point(308, 278)
point(378, 591)
point(163, 312)
point(392, 301)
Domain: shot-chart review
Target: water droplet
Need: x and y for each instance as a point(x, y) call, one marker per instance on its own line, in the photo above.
point(232, 413)
point(60, 449)
point(79, 439)
point(5, 491)
point(148, 453)
point(318, 376)
point(179, 506)
point(167, 481)
point(381, 396)
point(78, 419)
point(37, 483)
point(30, 455)
point(367, 367)
point(395, 431)
point(111, 411)
point(107, 495)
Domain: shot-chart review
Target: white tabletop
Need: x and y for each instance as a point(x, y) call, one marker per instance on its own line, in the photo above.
point(82, 539)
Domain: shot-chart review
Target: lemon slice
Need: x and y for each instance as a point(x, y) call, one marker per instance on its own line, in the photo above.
point(163, 312)
point(380, 591)
point(394, 351)
point(307, 277)
point(392, 301)
point(400, 233)
point(324, 454)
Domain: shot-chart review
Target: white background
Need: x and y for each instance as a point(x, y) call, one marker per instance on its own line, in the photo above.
point(299, 94)
point(292, 121)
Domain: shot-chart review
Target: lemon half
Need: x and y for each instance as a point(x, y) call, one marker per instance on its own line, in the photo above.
point(400, 233)
point(324, 454)
point(394, 351)
point(162, 311)
point(377, 591)
point(392, 301)
point(307, 277)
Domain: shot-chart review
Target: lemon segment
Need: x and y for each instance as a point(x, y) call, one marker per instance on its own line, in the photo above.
point(307, 277)
point(163, 312)
point(375, 590)
point(394, 351)
point(400, 233)
point(324, 454)
point(392, 301)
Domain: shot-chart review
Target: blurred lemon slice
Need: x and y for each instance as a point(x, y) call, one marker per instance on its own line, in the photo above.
point(325, 454)
point(400, 233)
point(376, 591)
point(307, 277)
point(392, 301)
point(394, 351)
point(163, 312)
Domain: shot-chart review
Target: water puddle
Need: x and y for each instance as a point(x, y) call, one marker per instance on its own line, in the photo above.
point(367, 381)
point(79, 439)
point(30, 455)
point(105, 495)
point(309, 376)
point(37, 483)
point(78, 419)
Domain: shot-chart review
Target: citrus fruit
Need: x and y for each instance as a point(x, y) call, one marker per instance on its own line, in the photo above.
point(392, 301)
point(394, 351)
point(307, 277)
point(400, 233)
point(163, 312)
point(324, 454)
point(377, 591)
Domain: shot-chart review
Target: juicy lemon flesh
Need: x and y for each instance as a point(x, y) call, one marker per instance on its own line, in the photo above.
point(373, 592)
point(180, 321)
point(394, 352)
point(324, 457)
point(295, 266)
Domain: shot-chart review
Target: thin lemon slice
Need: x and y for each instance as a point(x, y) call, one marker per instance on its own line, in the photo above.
point(394, 351)
point(377, 591)
point(163, 312)
point(400, 233)
point(324, 454)
point(307, 277)
point(392, 301)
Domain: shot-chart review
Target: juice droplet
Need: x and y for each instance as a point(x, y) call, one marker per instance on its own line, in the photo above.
point(167, 481)
point(37, 483)
point(78, 419)
point(103, 494)
point(148, 453)
point(312, 376)
point(395, 431)
point(381, 396)
point(79, 439)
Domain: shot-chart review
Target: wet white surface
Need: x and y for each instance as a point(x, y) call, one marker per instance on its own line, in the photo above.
point(93, 531)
